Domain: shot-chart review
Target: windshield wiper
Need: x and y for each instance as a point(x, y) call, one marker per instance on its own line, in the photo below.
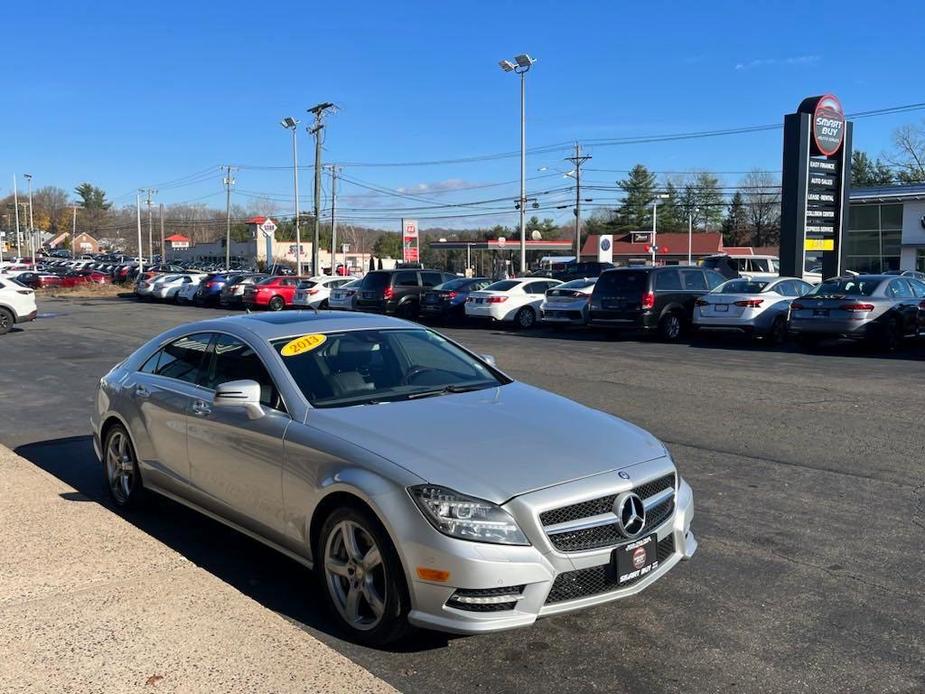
point(451, 388)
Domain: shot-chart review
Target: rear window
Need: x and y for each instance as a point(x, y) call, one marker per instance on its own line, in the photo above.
point(847, 287)
point(307, 284)
point(502, 286)
point(577, 284)
point(268, 280)
point(455, 284)
point(622, 282)
point(376, 280)
point(741, 287)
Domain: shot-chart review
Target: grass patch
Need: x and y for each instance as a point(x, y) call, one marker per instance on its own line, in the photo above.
point(83, 291)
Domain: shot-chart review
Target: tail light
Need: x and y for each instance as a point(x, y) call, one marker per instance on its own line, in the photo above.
point(312, 292)
point(389, 293)
point(749, 303)
point(856, 307)
point(452, 295)
point(794, 306)
point(701, 302)
point(648, 300)
point(922, 305)
point(210, 284)
point(496, 299)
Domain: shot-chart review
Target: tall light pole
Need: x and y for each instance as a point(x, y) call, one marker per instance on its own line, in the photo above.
point(74, 207)
point(16, 205)
point(523, 64)
point(28, 178)
point(228, 181)
point(292, 124)
point(690, 233)
point(655, 203)
point(148, 193)
point(334, 221)
point(141, 260)
point(316, 129)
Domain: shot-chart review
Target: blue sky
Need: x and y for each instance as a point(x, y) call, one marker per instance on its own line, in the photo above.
point(127, 96)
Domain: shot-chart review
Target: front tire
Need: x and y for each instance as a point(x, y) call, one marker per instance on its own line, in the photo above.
point(362, 576)
point(121, 467)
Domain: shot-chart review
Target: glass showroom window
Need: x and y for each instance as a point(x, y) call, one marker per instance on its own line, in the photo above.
point(873, 239)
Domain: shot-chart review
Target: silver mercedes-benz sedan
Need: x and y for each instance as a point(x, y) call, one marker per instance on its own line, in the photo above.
point(422, 484)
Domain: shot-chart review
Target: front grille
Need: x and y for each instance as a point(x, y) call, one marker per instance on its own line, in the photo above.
point(607, 535)
point(484, 593)
point(604, 504)
point(596, 580)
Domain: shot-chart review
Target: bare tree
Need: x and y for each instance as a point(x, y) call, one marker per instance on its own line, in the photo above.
point(909, 157)
point(761, 196)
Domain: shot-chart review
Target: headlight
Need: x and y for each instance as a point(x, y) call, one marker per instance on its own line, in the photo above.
point(465, 517)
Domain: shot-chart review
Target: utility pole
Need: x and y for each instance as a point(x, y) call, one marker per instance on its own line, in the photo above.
point(28, 177)
point(16, 205)
point(578, 160)
point(149, 192)
point(229, 181)
point(141, 260)
point(316, 129)
point(292, 124)
point(163, 248)
point(74, 207)
point(334, 221)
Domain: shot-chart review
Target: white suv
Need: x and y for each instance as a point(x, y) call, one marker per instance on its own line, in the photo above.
point(17, 304)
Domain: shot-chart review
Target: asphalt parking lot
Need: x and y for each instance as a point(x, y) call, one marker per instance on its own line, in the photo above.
point(809, 479)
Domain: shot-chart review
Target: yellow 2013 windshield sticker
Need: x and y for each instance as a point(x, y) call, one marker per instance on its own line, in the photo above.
point(303, 344)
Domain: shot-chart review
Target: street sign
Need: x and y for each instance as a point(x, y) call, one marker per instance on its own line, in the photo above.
point(345, 248)
point(502, 242)
point(604, 248)
point(410, 250)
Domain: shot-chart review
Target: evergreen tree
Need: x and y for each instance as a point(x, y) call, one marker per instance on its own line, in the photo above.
point(708, 199)
point(867, 172)
point(671, 215)
point(735, 225)
point(635, 212)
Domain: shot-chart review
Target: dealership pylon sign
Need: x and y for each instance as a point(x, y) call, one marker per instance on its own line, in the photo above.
point(815, 187)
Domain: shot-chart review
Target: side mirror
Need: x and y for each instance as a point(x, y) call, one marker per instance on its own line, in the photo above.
point(488, 359)
point(244, 394)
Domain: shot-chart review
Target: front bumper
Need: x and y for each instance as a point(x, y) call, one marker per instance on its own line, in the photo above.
point(533, 569)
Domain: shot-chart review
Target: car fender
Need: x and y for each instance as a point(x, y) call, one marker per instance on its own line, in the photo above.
point(677, 307)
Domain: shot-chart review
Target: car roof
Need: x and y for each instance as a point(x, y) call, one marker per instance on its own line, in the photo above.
point(275, 325)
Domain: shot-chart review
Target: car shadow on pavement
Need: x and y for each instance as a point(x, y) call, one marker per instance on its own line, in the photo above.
point(261, 573)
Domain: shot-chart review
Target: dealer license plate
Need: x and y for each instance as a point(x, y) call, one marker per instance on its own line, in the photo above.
point(636, 559)
point(820, 312)
point(722, 307)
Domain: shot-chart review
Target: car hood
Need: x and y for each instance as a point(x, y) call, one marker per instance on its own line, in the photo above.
point(494, 444)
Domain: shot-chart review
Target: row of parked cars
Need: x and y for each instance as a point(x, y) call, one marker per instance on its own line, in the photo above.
point(666, 301)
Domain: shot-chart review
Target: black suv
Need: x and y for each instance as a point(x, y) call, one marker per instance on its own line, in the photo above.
point(579, 271)
point(659, 299)
point(397, 291)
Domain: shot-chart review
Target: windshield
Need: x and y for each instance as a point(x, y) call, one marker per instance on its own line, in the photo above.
point(364, 367)
point(502, 286)
point(853, 286)
point(741, 287)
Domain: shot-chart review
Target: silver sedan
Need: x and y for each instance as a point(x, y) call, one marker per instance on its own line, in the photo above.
point(423, 485)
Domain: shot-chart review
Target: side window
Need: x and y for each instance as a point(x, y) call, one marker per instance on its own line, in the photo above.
point(694, 280)
point(785, 289)
point(535, 288)
point(714, 279)
point(233, 360)
point(150, 366)
point(406, 279)
point(182, 359)
point(667, 280)
point(899, 289)
point(431, 279)
point(918, 288)
point(760, 265)
point(741, 264)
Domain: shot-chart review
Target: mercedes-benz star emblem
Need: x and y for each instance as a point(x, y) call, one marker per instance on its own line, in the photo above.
point(630, 513)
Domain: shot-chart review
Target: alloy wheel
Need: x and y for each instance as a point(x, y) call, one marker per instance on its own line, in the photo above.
point(120, 467)
point(672, 326)
point(526, 318)
point(6, 321)
point(355, 575)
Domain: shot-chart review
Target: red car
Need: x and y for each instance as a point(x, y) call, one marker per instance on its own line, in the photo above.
point(80, 277)
point(274, 293)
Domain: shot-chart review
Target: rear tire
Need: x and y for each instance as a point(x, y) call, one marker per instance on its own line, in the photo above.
point(670, 327)
point(6, 321)
point(276, 304)
point(525, 318)
point(778, 333)
point(362, 576)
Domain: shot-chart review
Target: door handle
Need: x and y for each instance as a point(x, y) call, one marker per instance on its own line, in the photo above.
point(142, 392)
point(201, 408)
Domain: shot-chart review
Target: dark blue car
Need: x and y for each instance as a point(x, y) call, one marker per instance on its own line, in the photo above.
point(210, 289)
point(447, 301)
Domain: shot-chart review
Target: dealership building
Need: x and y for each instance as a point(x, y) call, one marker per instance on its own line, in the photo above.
point(886, 229)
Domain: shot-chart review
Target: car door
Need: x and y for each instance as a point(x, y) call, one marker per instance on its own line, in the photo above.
point(236, 461)
point(918, 290)
point(669, 292)
point(694, 284)
point(162, 393)
point(905, 304)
